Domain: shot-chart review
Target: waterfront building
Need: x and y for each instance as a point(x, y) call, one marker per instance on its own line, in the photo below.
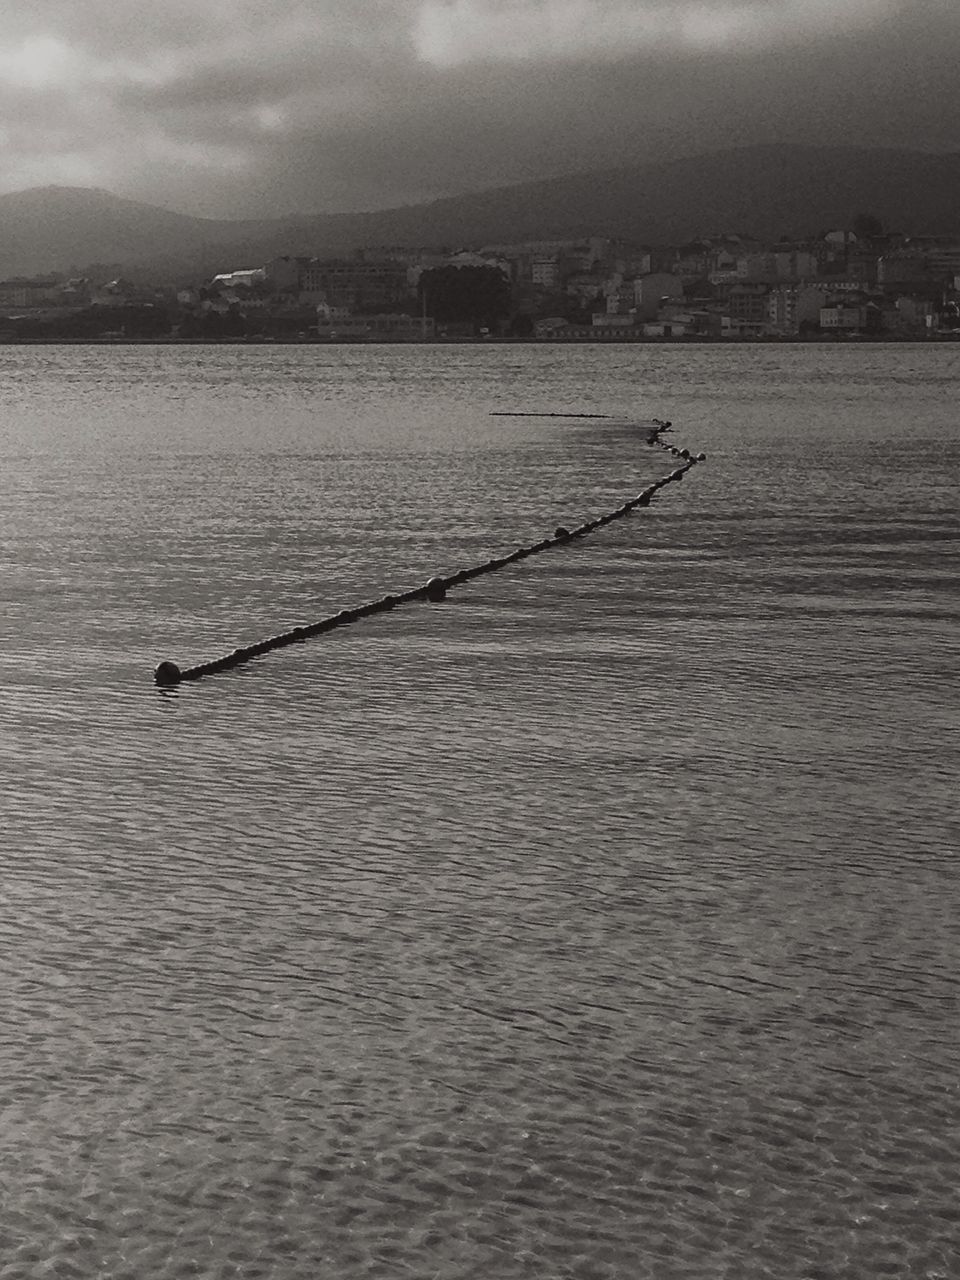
point(852, 314)
point(790, 307)
point(747, 307)
point(337, 325)
point(355, 284)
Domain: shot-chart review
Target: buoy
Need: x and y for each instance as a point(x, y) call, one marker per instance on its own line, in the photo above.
point(435, 589)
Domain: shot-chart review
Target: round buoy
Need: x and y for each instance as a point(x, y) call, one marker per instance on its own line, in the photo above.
point(167, 673)
point(436, 590)
point(701, 457)
point(561, 532)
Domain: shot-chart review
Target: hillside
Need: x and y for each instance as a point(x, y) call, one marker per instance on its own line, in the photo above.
point(52, 228)
point(766, 191)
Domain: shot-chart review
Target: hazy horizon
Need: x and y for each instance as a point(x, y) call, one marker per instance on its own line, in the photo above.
point(308, 212)
point(254, 109)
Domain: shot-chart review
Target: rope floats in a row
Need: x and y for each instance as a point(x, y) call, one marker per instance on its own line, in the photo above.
point(435, 589)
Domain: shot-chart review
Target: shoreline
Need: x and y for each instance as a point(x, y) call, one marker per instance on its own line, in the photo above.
point(831, 340)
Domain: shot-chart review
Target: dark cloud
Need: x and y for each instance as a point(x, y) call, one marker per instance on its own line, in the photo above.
point(248, 107)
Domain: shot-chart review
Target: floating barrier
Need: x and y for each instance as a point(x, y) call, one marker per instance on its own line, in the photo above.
point(506, 413)
point(435, 590)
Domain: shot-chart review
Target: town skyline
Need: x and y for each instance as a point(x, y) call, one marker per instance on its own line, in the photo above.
point(862, 282)
point(763, 192)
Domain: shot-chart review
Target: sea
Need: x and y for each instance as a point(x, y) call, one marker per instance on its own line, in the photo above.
point(599, 922)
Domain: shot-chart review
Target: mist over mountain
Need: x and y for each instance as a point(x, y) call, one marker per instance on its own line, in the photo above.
point(765, 191)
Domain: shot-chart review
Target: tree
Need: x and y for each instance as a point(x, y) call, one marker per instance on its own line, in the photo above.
point(478, 295)
point(867, 226)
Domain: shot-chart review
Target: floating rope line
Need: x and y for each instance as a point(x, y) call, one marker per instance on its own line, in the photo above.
point(508, 413)
point(435, 589)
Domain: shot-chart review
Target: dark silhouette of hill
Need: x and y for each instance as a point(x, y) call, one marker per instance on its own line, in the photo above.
point(48, 229)
point(52, 228)
point(764, 191)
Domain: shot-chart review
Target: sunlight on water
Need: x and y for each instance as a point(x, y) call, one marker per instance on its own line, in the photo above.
point(598, 922)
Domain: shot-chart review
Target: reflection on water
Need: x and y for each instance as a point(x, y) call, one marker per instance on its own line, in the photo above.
point(598, 922)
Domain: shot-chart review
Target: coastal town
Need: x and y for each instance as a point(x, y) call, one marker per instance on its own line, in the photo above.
point(856, 282)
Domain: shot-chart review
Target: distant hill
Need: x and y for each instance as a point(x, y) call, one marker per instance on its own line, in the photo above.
point(765, 191)
point(54, 228)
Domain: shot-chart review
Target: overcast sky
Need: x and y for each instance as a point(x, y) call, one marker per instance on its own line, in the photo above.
point(255, 107)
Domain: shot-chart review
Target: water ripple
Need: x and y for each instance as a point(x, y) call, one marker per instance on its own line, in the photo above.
point(597, 923)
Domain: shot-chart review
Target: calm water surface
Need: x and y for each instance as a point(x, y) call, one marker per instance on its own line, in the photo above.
point(601, 922)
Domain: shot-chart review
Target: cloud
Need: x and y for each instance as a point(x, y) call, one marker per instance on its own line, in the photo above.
point(452, 32)
point(171, 95)
point(246, 107)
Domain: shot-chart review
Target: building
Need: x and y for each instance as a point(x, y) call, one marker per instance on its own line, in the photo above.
point(124, 293)
point(550, 327)
point(852, 315)
point(545, 273)
point(401, 328)
point(841, 317)
point(612, 320)
point(943, 259)
point(354, 284)
point(747, 307)
point(23, 294)
point(610, 328)
point(791, 307)
point(903, 267)
point(339, 324)
point(584, 287)
point(245, 278)
point(914, 314)
point(786, 264)
point(692, 260)
point(620, 295)
point(678, 324)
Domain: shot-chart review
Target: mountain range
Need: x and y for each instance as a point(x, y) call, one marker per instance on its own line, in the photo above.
point(764, 191)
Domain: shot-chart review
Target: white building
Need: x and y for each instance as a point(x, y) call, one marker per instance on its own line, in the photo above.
point(246, 277)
